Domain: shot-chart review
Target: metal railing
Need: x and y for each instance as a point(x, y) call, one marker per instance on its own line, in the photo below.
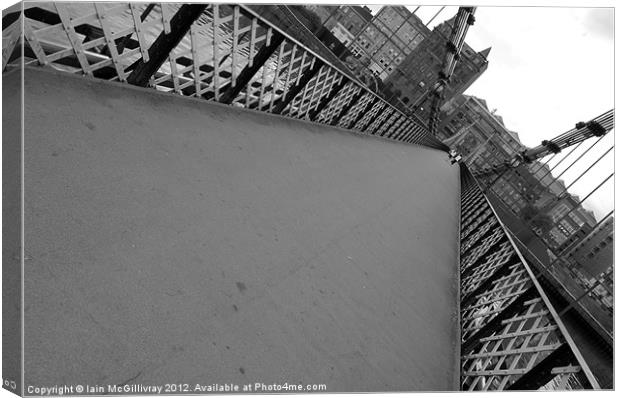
point(559, 209)
point(229, 54)
point(511, 336)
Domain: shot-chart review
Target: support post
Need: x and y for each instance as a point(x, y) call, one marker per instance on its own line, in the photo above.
point(160, 49)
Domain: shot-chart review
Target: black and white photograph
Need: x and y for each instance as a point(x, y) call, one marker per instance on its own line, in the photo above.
point(307, 198)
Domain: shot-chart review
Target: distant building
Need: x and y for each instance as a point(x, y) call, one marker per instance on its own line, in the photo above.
point(324, 12)
point(532, 186)
point(551, 188)
point(595, 253)
point(481, 138)
point(348, 21)
point(571, 223)
point(401, 52)
point(603, 293)
point(418, 72)
point(352, 19)
point(342, 34)
point(477, 133)
point(388, 39)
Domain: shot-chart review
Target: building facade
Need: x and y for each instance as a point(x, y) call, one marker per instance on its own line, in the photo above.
point(476, 132)
point(348, 21)
point(400, 51)
point(530, 190)
point(595, 253)
point(571, 223)
point(324, 12)
point(419, 71)
point(388, 39)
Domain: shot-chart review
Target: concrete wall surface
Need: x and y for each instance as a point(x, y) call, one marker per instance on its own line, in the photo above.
point(11, 234)
point(171, 240)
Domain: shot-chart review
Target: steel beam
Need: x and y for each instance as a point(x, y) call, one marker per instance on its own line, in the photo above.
point(160, 49)
point(229, 92)
point(121, 43)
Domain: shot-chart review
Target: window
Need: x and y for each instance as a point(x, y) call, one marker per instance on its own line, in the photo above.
point(576, 219)
point(567, 228)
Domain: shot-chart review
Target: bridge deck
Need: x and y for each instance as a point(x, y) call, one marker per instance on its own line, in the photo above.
point(172, 240)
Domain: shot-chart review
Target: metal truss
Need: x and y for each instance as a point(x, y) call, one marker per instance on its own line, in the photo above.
point(217, 52)
point(511, 336)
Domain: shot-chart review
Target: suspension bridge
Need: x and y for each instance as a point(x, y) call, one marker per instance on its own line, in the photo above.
point(208, 199)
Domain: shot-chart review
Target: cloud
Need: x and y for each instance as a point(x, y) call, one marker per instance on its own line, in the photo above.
point(600, 22)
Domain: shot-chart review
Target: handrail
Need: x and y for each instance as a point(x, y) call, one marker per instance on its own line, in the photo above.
point(327, 62)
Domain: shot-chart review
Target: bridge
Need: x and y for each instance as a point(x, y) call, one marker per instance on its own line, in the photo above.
point(208, 200)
